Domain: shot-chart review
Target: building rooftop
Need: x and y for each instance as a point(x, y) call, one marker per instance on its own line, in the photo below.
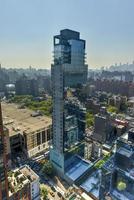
point(19, 178)
point(125, 152)
point(29, 173)
point(22, 120)
point(92, 183)
point(86, 197)
point(17, 181)
point(77, 168)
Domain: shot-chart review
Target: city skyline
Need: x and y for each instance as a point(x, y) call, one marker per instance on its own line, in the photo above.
point(27, 28)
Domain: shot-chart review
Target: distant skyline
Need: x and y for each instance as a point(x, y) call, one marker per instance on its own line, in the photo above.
point(27, 28)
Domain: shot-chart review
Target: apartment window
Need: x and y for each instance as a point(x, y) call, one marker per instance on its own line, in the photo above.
point(43, 136)
point(48, 135)
point(38, 139)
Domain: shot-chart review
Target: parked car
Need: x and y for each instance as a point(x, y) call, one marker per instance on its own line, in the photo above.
point(59, 194)
point(53, 188)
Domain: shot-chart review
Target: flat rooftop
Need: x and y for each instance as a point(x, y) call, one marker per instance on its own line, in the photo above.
point(16, 119)
point(77, 168)
point(17, 181)
point(122, 195)
point(92, 183)
point(86, 197)
point(125, 152)
point(29, 173)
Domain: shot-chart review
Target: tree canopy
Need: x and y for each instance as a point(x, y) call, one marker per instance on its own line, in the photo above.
point(89, 119)
point(45, 106)
point(48, 168)
point(44, 193)
point(112, 109)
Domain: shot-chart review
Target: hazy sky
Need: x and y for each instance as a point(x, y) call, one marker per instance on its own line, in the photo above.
point(27, 28)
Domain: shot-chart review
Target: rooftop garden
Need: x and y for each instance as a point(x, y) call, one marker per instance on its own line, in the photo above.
point(16, 181)
point(89, 119)
point(101, 162)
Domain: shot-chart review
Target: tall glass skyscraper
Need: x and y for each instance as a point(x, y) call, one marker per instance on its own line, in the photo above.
point(69, 50)
point(69, 70)
point(3, 163)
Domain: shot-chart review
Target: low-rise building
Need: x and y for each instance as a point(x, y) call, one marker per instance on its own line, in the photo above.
point(34, 182)
point(23, 184)
point(103, 127)
point(93, 104)
point(28, 132)
point(118, 101)
point(19, 186)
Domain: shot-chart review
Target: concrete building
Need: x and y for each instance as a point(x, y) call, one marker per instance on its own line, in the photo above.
point(102, 128)
point(69, 70)
point(93, 104)
point(3, 162)
point(23, 184)
point(34, 181)
point(114, 87)
point(26, 86)
point(19, 186)
point(118, 101)
point(28, 131)
point(107, 128)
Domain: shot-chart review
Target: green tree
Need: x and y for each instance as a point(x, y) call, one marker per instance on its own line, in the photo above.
point(45, 106)
point(48, 168)
point(101, 162)
point(89, 119)
point(44, 193)
point(112, 109)
point(121, 185)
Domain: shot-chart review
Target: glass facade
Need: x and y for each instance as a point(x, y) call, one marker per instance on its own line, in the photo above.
point(71, 131)
point(69, 50)
point(69, 70)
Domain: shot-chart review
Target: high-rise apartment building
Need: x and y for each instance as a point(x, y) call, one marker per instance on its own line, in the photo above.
point(68, 70)
point(3, 163)
point(69, 51)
